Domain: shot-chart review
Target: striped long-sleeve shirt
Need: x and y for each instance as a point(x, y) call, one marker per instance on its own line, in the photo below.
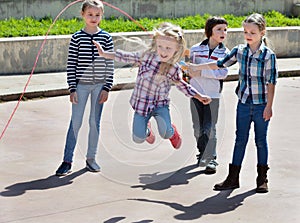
point(152, 89)
point(84, 64)
point(210, 81)
point(255, 71)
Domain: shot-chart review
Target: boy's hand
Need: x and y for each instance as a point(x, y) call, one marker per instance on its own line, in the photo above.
point(194, 73)
point(193, 70)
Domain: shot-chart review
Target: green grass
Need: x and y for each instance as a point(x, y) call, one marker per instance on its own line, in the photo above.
point(32, 27)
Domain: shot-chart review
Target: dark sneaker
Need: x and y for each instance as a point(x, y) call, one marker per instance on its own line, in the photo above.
point(176, 138)
point(211, 167)
point(64, 169)
point(92, 166)
point(151, 137)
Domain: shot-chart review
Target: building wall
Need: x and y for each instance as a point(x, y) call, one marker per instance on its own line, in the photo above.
point(145, 8)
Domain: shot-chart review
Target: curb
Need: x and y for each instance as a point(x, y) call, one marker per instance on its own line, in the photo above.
point(117, 87)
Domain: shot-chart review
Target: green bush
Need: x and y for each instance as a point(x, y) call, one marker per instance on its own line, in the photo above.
point(32, 27)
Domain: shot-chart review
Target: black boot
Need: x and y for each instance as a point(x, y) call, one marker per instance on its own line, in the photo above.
point(261, 180)
point(232, 180)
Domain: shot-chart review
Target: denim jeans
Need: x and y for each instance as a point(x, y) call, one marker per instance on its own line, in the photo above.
point(245, 115)
point(163, 119)
point(83, 93)
point(205, 119)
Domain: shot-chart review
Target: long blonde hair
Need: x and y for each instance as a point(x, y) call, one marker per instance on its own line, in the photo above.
point(170, 30)
point(167, 29)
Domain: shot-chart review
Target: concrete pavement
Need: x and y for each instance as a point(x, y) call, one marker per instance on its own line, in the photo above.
point(143, 183)
point(54, 84)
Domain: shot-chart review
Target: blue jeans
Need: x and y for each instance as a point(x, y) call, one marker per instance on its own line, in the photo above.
point(205, 119)
point(163, 119)
point(245, 115)
point(83, 92)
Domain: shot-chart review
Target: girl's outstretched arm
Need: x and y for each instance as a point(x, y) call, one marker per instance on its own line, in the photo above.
point(102, 53)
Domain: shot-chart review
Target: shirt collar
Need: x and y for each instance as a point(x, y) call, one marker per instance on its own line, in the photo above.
point(205, 42)
point(261, 47)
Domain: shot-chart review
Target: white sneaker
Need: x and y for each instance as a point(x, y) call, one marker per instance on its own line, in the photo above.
point(211, 167)
point(92, 166)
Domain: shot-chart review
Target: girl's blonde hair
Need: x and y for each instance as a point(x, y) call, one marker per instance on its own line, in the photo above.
point(167, 29)
point(92, 3)
point(260, 21)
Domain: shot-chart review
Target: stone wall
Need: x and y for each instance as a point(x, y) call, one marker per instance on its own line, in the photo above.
point(147, 8)
point(18, 54)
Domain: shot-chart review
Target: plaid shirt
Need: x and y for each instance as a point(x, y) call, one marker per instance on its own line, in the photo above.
point(255, 71)
point(151, 89)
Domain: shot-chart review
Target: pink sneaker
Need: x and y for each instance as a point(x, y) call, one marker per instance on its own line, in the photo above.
point(151, 137)
point(176, 138)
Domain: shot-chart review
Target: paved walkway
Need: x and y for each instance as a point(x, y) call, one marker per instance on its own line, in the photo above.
point(143, 183)
point(54, 84)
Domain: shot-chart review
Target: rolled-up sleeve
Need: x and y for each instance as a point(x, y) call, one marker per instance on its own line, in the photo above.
point(229, 60)
point(271, 70)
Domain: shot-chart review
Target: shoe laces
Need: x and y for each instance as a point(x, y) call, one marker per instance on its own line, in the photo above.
point(213, 162)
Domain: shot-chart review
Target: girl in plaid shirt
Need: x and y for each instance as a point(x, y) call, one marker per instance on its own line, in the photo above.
point(256, 86)
point(158, 69)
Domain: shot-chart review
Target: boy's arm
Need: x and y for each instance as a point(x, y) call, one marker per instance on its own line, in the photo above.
point(219, 74)
point(194, 69)
point(227, 61)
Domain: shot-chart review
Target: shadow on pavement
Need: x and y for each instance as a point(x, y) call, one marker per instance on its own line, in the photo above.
point(114, 220)
point(218, 204)
point(167, 180)
point(41, 184)
point(118, 219)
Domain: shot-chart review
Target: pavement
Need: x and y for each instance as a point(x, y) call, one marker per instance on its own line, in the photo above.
point(141, 183)
point(54, 84)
